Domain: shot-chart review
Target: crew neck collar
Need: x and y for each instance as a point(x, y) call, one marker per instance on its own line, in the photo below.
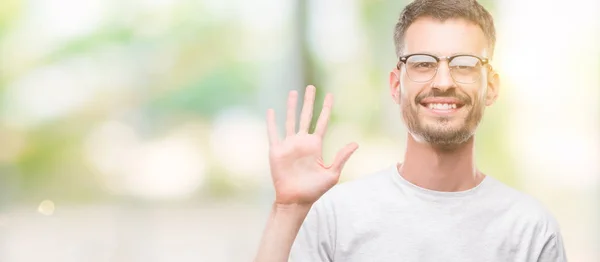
point(400, 180)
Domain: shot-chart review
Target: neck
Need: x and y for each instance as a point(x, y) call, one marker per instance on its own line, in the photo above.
point(440, 169)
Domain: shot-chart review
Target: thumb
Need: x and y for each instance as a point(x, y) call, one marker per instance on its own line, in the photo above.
point(342, 156)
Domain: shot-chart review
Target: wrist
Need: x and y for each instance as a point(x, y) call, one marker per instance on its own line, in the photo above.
point(291, 209)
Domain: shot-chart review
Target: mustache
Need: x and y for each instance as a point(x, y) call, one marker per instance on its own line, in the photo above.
point(451, 92)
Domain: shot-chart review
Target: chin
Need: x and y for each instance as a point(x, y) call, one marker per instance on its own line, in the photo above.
point(444, 125)
point(446, 135)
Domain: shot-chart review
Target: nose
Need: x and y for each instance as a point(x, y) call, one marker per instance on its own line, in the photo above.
point(443, 80)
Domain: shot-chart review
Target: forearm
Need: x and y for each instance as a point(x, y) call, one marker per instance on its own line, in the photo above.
point(280, 233)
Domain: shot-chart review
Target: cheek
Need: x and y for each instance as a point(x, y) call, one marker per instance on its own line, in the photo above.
point(482, 90)
point(406, 97)
point(409, 90)
point(480, 95)
point(476, 92)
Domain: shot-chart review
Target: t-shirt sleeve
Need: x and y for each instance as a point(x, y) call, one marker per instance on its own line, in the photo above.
point(316, 239)
point(553, 250)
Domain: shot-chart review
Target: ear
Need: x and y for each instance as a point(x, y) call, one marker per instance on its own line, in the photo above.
point(395, 85)
point(493, 86)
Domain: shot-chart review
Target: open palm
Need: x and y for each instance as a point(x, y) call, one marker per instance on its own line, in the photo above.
point(299, 174)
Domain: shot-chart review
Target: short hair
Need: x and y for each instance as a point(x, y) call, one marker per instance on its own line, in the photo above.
point(443, 10)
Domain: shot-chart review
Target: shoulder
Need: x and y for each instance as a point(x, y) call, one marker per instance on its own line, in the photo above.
point(358, 191)
point(345, 199)
point(364, 186)
point(525, 210)
point(532, 222)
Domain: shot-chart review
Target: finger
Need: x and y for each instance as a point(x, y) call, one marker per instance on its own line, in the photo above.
point(272, 127)
point(342, 156)
point(321, 127)
point(307, 109)
point(290, 122)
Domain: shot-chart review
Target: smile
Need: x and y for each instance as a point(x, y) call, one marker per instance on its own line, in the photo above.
point(441, 105)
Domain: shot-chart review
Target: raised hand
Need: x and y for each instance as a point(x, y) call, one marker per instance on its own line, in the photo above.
point(299, 174)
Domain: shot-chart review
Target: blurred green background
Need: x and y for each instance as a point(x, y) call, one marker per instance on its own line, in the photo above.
point(134, 130)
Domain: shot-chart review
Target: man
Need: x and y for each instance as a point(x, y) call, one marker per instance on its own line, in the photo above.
point(433, 206)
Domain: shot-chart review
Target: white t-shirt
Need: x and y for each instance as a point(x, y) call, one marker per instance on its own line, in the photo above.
point(383, 217)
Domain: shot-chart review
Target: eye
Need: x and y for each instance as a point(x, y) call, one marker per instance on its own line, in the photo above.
point(465, 63)
point(463, 67)
point(425, 65)
point(422, 62)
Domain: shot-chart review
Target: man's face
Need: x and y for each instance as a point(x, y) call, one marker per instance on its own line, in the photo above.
point(442, 111)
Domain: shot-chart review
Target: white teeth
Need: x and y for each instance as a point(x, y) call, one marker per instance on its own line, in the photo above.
point(441, 106)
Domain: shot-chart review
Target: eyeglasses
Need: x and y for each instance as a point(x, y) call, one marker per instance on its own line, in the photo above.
point(465, 69)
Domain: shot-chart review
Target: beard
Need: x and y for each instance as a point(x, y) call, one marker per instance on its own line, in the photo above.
point(444, 132)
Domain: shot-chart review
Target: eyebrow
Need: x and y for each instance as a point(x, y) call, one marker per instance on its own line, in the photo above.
point(453, 54)
point(463, 53)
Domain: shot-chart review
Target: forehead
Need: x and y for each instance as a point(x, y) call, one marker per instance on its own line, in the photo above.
point(452, 36)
